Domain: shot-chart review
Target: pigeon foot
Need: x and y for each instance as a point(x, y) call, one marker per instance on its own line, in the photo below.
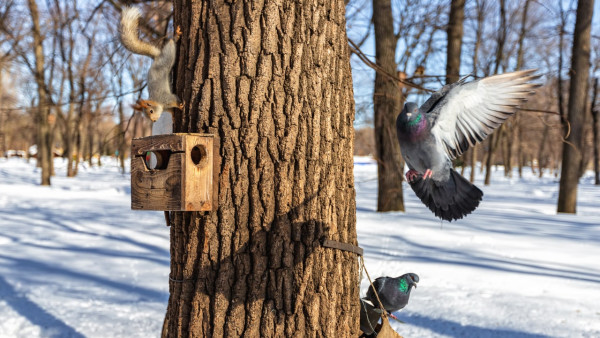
point(428, 173)
point(411, 175)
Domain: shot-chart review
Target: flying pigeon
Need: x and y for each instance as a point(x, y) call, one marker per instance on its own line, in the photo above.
point(393, 292)
point(457, 116)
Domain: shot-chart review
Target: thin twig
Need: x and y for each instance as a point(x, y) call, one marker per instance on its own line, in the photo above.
point(356, 50)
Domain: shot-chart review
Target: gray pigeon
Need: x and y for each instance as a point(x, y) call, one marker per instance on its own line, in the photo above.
point(457, 116)
point(393, 292)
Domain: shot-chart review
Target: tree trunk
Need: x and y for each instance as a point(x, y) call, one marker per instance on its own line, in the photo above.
point(70, 140)
point(559, 87)
point(572, 151)
point(480, 8)
point(44, 136)
point(501, 37)
point(455, 33)
point(516, 132)
point(542, 162)
point(507, 138)
point(121, 143)
point(519, 136)
point(585, 155)
point(522, 33)
point(387, 104)
point(595, 130)
point(90, 140)
point(495, 137)
point(473, 162)
point(272, 82)
point(2, 119)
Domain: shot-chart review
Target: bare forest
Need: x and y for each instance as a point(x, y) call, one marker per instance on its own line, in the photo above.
point(292, 91)
point(67, 84)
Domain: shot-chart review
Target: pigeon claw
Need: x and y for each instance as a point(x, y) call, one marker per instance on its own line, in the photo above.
point(428, 173)
point(411, 175)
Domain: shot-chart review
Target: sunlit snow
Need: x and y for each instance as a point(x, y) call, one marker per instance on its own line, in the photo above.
point(75, 261)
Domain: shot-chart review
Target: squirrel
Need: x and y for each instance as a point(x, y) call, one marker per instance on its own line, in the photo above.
point(160, 96)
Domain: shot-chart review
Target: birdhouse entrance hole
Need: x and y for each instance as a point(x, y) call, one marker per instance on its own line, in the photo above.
point(199, 155)
point(157, 159)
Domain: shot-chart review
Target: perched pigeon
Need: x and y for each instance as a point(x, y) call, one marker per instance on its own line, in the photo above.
point(393, 292)
point(457, 116)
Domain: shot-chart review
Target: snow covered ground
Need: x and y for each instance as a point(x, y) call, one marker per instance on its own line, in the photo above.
point(76, 261)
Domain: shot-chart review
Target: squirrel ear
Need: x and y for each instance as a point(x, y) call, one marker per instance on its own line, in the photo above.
point(144, 103)
point(137, 107)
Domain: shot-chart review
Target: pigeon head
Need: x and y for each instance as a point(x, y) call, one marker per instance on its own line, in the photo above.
point(411, 122)
point(410, 111)
point(407, 281)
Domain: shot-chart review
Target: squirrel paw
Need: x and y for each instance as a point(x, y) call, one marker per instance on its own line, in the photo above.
point(178, 31)
point(181, 105)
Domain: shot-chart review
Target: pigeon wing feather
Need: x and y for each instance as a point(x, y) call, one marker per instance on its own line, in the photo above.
point(469, 112)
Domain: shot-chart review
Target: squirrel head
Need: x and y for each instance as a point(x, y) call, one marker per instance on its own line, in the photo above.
point(152, 109)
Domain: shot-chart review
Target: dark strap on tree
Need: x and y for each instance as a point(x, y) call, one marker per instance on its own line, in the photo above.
point(328, 243)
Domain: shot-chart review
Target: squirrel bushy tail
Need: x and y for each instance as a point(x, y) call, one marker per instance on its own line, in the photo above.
point(129, 34)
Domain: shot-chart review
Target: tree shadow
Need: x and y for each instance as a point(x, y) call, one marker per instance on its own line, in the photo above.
point(464, 258)
point(49, 325)
point(454, 329)
point(37, 268)
point(42, 242)
point(266, 264)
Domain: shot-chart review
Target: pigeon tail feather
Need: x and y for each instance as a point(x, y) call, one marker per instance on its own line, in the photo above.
point(449, 200)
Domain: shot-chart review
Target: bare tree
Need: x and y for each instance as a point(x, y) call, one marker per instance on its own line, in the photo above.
point(573, 147)
point(514, 129)
point(595, 111)
point(455, 34)
point(480, 8)
point(272, 82)
point(387, 103)
point(44, 136)
point(494, 139)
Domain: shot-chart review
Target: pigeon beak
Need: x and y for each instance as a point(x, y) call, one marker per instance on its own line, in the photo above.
point(409, 114)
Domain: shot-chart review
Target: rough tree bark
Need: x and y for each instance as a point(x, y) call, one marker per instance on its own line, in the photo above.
point(44, 139)
point(580, 64)
point(455, 33)
point(387, 104)
point(272, 81)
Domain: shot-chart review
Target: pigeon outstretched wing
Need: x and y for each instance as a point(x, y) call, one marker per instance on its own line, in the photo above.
point(468, 112)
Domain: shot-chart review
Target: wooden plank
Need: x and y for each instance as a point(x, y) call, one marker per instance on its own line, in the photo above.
point(173, 142)
point(156, 189)
point(197, 192)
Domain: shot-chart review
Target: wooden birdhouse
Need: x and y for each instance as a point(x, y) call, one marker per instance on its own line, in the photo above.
point(172, 172)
